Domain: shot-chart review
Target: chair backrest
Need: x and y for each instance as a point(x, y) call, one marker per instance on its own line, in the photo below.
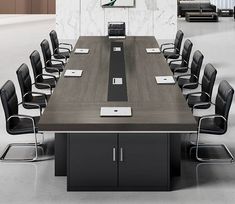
point(54, 41)
point(46, 51)
point(224, 99)
point(36, 65)
point(9, 103)
point(24, 82)
point(186, 53)
point(116, 29)
point(178, 41)
point(208, 80)
point(196, 66)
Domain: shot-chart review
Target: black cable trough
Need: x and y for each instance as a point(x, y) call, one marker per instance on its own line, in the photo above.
point(117, 92)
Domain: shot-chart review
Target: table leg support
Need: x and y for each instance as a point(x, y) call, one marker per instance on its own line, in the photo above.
point(175, 154)
point(60, 154)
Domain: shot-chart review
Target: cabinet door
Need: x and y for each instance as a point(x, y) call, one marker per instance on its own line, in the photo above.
point(143, 160)
point(51, 7)
point(7, 7)
point(39, 6)
point(91, 161)
point(24, 6)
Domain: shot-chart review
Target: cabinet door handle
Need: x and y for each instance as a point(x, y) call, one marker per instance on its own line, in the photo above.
point(121, 154)
point(114, 154)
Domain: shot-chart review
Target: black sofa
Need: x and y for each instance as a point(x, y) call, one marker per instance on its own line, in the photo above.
point(196, 6)
point(234, 12)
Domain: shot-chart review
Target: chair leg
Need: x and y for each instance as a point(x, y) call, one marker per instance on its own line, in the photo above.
point(198, 145)
point(36, 148)
point(3, 157)
point(36, 145)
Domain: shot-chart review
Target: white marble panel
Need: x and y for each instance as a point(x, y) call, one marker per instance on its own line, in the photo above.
point(115, 15)
point(141, 22)
point(87, 17)
point(68, 19)
point(223, 4)
point(165, 19)
point(92, 18)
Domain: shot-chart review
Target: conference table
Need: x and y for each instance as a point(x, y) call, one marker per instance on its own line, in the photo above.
point(140, 152)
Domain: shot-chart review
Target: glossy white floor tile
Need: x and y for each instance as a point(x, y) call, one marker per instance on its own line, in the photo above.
point(36, 183)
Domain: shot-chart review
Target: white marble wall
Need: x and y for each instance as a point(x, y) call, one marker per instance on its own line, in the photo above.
point(68, 18)
point(88, 18)
point(223, 4)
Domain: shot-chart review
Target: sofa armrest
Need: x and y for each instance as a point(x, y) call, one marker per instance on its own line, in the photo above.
point(213, 7)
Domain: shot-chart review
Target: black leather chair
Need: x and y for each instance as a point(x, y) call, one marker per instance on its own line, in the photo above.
point(192, 81)
point(173, 52)
point(27, 94)
point(217, 123)
point(57, 53)
point(207, 85)
point(51, 65)
point(182, 67)
point(17, 124)
point(117, 29)
point(40, 81)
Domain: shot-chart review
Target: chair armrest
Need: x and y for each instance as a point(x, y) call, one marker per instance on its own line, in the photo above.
point(199, 92)
point(32, 104)
point(61, 56)
point(62, 48)
point(48, 75)
point(169, 48)
point(185, 85)
point(164, 44)
point(54, 60)
point(168, 57)
point(202, 104)
point(178, 60)
point(184, 75)
point(42, 84)
point(179, 68)
point(38, 93)
point(54, 69)
point(67, 44)
point(24, 117)
point(208, 117)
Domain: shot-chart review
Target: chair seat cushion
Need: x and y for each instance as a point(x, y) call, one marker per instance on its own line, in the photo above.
point(61, 55)
point(60, 67)
point(40, 100)
point(173, 66)
point(193, 99)
point(212, 126)
point(49, 81)
point(171, 55)
point(183, 81)
point(24, 126)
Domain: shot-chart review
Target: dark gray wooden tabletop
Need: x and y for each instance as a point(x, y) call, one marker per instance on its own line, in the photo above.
point(76, 102)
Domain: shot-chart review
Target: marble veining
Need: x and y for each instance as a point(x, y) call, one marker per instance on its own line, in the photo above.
point(86, 17)
point(223, 4)
point(68, 19)
point(92, 18)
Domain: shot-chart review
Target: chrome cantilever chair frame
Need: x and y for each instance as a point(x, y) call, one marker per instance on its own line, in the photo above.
point(198, 144)
point(25, 127)
point(36, 144)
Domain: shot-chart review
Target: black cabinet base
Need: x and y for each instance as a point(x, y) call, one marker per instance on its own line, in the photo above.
point(160, 188)
point(166, 155)
point(61, 154)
